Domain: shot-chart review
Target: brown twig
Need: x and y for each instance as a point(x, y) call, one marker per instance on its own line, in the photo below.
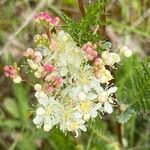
point(103, 20)
point(81, 7)
point(47, 32)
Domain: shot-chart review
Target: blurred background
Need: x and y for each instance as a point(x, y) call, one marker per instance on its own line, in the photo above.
point(128, 23)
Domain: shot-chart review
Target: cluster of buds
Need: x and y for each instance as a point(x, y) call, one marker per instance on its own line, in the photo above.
point(90, 50)
point(33, 55)
point(53, 81)
point(46, 19)
point(43, 70)
point(13, 73)
point(101, 72)
point(51, 86)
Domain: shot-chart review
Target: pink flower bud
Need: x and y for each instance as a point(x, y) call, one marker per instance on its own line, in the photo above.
point(49, 68)
point(58, 81)
point(54, 21)
point(10, 71)
point(90, 50)
point(46, 17)
point(97, 61)
point(50, 88)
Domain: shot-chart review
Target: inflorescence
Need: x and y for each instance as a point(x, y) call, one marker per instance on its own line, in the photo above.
point(73, 84)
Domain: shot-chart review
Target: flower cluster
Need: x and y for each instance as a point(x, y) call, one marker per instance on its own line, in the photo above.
point(73, 83)
point(44, 17)
point(13, 73)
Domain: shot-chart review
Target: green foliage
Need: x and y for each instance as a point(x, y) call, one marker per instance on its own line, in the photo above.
point(87, 28)
point(134, 87)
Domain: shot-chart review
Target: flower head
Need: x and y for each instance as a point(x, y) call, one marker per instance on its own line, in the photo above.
point(44, 16)
point(12, 72)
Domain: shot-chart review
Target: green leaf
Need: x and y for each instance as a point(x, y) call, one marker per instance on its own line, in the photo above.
point(106, 45)
point(21, 94)
point(11, 106)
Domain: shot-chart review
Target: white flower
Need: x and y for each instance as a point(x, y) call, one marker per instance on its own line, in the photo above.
point(76, 126)
point(88, 109)
point(104, 97)
point(47, 114)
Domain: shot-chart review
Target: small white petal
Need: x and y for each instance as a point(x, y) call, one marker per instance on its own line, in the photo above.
point(40, 111)
point(83, 128)
point(112, 90)
point(47, 127)
point(38, 120)
point(82, 96)
point(108, 108)
point(86, 117)
point(91, 96)
point(94, 113)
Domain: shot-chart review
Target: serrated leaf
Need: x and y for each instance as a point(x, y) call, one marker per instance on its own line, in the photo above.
point(125, 116)
point(106, 45)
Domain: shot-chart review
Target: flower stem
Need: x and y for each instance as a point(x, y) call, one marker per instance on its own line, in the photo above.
point(103, 21)
point(119, 129)
point(47, 32)
point(81, 7)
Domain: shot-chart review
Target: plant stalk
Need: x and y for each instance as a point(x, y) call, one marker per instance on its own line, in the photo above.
point(81, 7)
point(47, 32)
point(119, 130)
point(103, 20)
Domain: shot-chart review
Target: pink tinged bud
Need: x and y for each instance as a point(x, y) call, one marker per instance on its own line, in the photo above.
point(97, 61)
point(58, 81)
point(55, 21)
point(90, 57)
point(50, 88)
point(90, 50)
point(41, 16)
point(49, 68)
